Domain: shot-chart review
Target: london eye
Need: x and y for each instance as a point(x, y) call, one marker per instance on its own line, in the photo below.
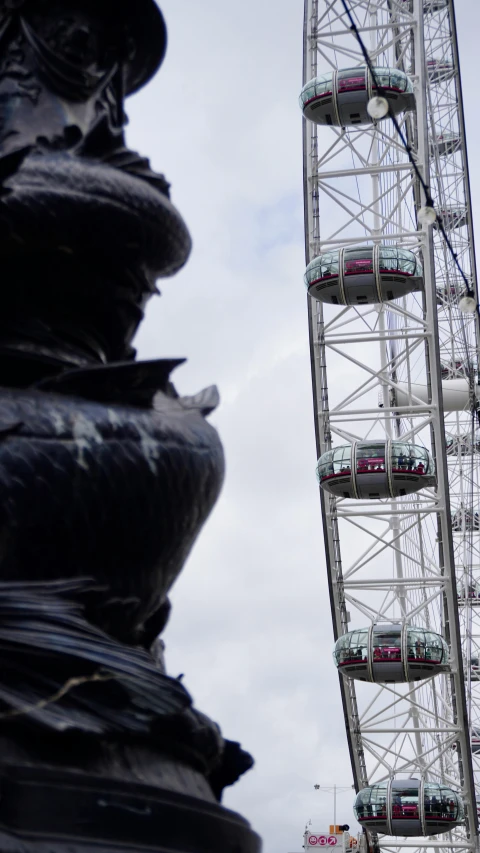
point(393, 321)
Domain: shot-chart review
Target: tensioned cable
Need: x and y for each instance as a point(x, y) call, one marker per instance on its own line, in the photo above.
point(426, 189)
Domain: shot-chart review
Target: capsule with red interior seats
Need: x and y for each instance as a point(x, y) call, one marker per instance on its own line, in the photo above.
point(360, 275)
point(339, 98)
point(375, 470)
point(391, 653)
point(409, 807)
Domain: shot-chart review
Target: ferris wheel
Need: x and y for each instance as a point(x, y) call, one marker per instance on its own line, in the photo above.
point(394, 352)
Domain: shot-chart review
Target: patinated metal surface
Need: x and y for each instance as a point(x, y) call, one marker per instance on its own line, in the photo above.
point(106, 473)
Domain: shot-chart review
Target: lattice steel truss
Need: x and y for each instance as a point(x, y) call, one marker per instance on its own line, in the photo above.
point(389, 366)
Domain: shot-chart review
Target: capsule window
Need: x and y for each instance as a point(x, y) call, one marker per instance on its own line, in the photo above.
point(358, 262)
point(387, 645)
point(398, 81)
point(405, 803)
point(351, 648)
point(435, 648)
point(409, 457)
point(351, 80)
point(407, 262)
point(370, 458)
point(321, 85)
point(388, 259)
point(398, 260)
point(325, 465)
point(309, 92)
point(342, 460)
point(442, 804)
point(371, 803)
point(382, 78)
point(416, 645)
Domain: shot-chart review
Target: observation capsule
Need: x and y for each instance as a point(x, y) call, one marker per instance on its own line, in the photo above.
point(474, 666)
point(452, 217)
point(462, 445)
point(361, 275)
point(375, 469)
point(451, 293)
point(429, 6)
point(475, 743)
point(391, 653)
point(409, 807)
point(450, 369)
point(446, 143)
point(439, 70)
point(470, 594)
point(465, 519)
point(340, 98)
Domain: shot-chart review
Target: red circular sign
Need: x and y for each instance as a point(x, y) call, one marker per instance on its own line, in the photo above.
point(312, 840)
point(332, 840)
point(322, 840)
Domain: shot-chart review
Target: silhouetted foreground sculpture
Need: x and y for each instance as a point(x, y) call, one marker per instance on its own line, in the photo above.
point(106, 474)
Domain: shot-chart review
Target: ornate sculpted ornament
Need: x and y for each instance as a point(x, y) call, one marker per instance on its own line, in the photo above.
point(106, 473)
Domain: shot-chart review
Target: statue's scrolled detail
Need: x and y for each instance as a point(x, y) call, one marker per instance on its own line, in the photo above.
point(106, 473)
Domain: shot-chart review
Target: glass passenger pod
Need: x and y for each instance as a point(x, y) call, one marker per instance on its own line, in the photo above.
point(462, 445)
point(475, 741)
point(474, 668)
point(452, 217)
point(465, 520)
point(453, 292)
point(429, 6)
point(340, 97)
point(409, 807)
point(375, 469)
point(468, 591)
point(451, 369)
point(445, 143)
point(440, 70)
point(389, 654)
point(362, 275)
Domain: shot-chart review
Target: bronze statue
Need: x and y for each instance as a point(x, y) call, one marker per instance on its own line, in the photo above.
point(106, 474)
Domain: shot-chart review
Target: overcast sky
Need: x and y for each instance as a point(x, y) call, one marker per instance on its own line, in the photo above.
point(251, 625)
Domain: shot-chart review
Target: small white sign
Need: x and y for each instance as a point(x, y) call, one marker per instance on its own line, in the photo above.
point(321, 840)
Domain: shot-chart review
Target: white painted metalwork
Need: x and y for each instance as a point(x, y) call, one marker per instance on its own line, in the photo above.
point(388, 369)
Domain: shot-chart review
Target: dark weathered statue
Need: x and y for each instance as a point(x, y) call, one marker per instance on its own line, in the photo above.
point(106, 474)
